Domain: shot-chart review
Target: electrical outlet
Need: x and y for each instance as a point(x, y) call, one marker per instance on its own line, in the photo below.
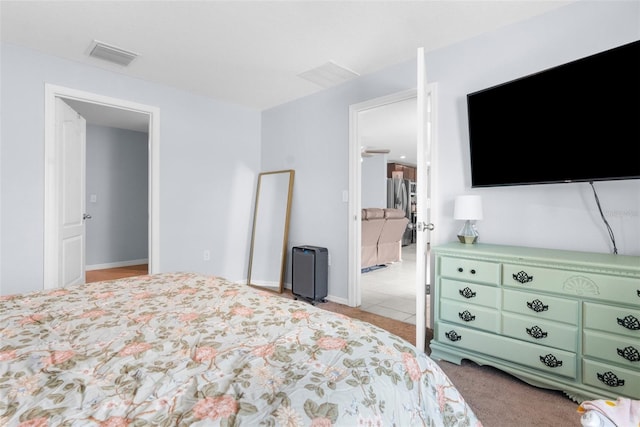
point(206, 255)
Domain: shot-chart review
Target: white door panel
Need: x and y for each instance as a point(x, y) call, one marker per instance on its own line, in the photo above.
point(71, 132)
point(71, 250)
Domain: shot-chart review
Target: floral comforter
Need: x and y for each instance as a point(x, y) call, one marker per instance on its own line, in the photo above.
point(183, 349)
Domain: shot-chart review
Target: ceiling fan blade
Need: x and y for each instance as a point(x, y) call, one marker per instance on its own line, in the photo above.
point(377, 151)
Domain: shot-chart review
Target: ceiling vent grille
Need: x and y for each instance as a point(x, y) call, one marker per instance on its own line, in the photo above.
point(328, 75)
point(111, 53)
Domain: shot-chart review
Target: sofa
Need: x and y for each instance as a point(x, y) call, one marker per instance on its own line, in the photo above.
point(382, 231)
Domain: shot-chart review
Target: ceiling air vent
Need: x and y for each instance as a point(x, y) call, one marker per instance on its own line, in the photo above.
point(328, 75)
point(111, 53)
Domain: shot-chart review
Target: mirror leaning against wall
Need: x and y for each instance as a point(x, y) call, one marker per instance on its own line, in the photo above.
point(268, 254)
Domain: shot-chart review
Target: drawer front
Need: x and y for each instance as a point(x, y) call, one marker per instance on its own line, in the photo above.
point(545, 359)
point(541, 306)
point(471, 315)
point(623, 290)
point(470, 270)
point(624, 351)
point(467, 292)
point(545, 332)
point(619, 320)
point(617, 381)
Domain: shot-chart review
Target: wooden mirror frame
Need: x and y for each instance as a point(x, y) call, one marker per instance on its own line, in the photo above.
point(271, 217)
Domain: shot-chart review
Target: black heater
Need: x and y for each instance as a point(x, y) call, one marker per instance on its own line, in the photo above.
point(309, 271)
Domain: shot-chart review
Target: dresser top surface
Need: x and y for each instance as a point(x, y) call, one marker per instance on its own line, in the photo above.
point(507, 253)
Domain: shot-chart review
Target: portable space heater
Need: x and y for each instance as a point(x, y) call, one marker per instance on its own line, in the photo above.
point(309, 271)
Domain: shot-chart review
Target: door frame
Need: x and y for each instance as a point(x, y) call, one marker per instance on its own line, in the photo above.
point(51, 191)
point(355, 189)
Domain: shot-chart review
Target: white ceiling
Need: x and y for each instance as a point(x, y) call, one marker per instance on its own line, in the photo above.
point(250, 53)
point(393, 127)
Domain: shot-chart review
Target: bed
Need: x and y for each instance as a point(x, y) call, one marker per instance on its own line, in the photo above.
point(187, 349)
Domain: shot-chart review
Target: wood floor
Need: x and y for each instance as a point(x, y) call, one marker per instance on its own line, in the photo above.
point(404, 330)
point(116, 273)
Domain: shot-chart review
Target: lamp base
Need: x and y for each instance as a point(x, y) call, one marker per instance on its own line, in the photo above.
point(468, 234)
point(469, 240)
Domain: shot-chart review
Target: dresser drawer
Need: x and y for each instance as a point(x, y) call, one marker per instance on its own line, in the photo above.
point(466, 292)
point(541, 306)
point(616, 381)
point(608, 318)
point(471, 315)
point(618, 349)
point(541, 358)
point(623, 290)
point(470, 270)
point(545, 332)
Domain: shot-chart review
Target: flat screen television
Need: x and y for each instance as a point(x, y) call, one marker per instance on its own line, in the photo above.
point(579, 121)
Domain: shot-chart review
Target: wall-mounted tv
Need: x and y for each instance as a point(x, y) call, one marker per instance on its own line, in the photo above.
point(579, 121)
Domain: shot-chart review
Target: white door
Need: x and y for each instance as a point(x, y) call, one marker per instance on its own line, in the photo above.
point(424, 197)
point(71, 137)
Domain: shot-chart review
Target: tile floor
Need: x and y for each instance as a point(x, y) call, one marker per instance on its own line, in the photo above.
point(390, 291)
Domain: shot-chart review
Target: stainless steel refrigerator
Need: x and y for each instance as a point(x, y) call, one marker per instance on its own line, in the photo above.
point(399, 197)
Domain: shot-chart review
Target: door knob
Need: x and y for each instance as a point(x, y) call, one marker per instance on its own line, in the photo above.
point(86, 216)
point(424, 226)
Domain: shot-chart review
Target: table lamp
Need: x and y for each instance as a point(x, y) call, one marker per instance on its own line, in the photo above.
point(469, 209)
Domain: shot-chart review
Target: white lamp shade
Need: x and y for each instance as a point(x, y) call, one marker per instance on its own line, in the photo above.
point(468, 207)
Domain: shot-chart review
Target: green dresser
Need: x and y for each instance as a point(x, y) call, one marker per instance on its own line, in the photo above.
point(556, 319)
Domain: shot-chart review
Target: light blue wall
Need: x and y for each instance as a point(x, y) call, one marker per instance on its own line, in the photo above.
point(311, 136)
point(373, 175)
point(117, 176)
point(209, 161)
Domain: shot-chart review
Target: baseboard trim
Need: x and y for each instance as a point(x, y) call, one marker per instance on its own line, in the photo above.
point(116, 264)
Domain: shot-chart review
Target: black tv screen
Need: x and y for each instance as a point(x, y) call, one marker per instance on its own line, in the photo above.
point(579, 121)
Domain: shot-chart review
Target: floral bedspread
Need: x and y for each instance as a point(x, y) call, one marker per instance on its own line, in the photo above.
point(183, 349)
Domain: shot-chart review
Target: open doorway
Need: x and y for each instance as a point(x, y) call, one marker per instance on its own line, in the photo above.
point(116, 200)
point(426, 143)
point(360, 146)
point(388, 136)
point(110, 113)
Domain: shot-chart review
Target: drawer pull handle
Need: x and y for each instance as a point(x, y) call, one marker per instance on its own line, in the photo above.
point(466, 316)
point(551, 361)
point(536, 332)
point(472, 271)
point(460, 269)
point(638, 291)
point(522, 277)
point(630, 322)
point(537, 306)
point(467, 293)
point(453, 335)
point(610, 379)
point(629, 353)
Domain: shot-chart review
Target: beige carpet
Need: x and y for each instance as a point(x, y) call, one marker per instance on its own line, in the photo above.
point(497, 398)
